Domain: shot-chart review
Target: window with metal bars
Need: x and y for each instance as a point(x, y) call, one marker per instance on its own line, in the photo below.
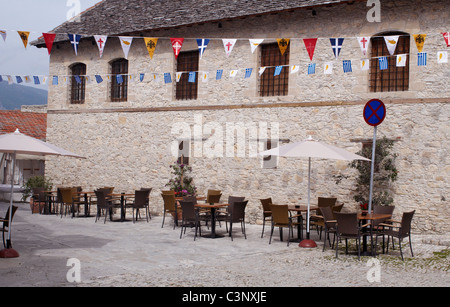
point(187, 62)
point(270, 85)
point(78, 83)
point(393, 78)
point(119, 86)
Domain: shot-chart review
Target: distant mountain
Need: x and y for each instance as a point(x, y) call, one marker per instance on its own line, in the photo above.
point(13, 96)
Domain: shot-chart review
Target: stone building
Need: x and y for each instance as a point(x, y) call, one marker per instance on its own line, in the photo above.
point(132, 130)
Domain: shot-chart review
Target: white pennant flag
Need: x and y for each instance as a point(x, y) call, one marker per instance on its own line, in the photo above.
point(101, 41)
point(233, 73)
point(401, 60)
point(364, 43)
point(126, 44)
point(205, 76)
point(254, 43)
point(3, 34)
point(391, 43)
point(228, 44)
point(365, 64)
point(178, 76)
point(294, 68)
point(261, 70)
point(155, 77)
point(442, 57)
point(328, 68)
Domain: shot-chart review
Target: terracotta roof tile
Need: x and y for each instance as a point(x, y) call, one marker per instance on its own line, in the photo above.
point(31, 124)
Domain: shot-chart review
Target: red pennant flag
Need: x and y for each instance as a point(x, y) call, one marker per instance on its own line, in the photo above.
point(176, 45)
point(49, 39)
point(447, 38)
point(310, 44)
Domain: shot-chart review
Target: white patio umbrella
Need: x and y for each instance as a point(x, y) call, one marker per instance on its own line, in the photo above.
point(18, 143)
point(311, 148)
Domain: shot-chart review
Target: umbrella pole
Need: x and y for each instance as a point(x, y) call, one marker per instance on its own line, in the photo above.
point(308, 242)
point(9, 252)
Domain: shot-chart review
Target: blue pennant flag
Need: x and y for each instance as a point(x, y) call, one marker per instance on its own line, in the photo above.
point(383, 61)
point(311, 68)
point(347, 66)
point(19, 79)
point(167, 78)
point(99, 79)
point(219, 74)
point(192, 76)
point(422, 59)
point(1, 79)
point(141, 77)
point(78, 79)
point(36, 80)
point(75, 41)
point(278, 70)
point(55, 80)
point(248, 73)
point(119, 79)
point(336, 45)
point(202, 44)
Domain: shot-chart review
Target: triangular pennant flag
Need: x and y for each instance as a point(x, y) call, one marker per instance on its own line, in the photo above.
point(202, 44)
point(391, 43)
point(364, 44)
point(49, 39)
point(254, 43)
point(310, 44)
point(328, 68)
point(442, 57)
point(401, 60)
point(178, 76)
point(365, 64)
point(336, 45)
point(150, 43)
point(141, 77)
point(75, 41)
point(3, 34)
point(228, 44)
point(24, 36)
point(176, 45)
point(446, 38)
point(262, 70)
point(233, 73)
point(283, 43)
point(126, 44)
point(205, 76)
point(294, 68)
point(101, 41)
point(420, 41)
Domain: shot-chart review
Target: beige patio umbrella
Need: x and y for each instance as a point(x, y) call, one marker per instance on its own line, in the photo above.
point(311, 148)
point(18, 143)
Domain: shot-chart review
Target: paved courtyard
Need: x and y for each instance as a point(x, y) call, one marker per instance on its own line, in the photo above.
point(144, 254)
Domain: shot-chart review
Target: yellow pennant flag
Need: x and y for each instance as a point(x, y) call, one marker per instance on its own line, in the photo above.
point(24, 36)
point(420, 41)
point(150, 43)
point(283, 43)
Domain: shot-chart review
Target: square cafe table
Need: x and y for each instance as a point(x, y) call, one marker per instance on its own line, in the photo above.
point(212, 207)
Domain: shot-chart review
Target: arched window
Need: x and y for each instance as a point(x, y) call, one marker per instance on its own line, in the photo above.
point(394, 78)
point(119, 80)
point(78, 84)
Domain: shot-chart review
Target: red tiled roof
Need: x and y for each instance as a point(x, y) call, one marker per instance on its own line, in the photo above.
point(31, 124)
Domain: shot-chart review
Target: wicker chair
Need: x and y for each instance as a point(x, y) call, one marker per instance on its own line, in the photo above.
point(329, 225)
point(376, 227)
point(6, 223)
point(237, 215)
point(102, 205)
point(190, 218)
point(281, 218)
point(348, 227)
point(267, 213)
point(140, 201)
point(170, 206)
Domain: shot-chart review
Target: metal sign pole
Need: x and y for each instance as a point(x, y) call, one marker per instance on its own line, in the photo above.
point(374, 144)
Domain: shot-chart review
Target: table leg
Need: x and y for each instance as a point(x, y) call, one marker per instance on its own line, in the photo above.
point(213, 234)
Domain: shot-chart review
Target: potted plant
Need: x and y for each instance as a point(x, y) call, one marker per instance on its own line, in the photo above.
point(31, 184)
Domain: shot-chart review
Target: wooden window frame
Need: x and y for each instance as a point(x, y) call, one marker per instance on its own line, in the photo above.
point(188, 61)
point(78, 90)
point(394, 78)
point(119, 92)
point(270, 57)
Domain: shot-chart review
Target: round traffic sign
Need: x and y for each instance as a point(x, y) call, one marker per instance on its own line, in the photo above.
point(374, 112)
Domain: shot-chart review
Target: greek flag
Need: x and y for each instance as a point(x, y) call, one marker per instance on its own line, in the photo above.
point(219, 74)
point(119, 79)
point(19, 79)
point(36, 80)
point(422, 59)
point(141, 77)
point(192, 76)
point(98, 78)
point(248, 72)
point(383, 62)
point(311, 68)
point(167, 78)
point(55, 80)
point(78, 79)
point(278, 70)
point(347, 66)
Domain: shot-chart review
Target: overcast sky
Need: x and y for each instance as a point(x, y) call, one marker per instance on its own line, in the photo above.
point(35, 16)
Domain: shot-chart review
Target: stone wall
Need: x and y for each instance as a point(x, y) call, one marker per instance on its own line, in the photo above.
point(129, 144)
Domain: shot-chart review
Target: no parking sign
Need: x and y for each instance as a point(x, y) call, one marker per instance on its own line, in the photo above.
point(374, 112)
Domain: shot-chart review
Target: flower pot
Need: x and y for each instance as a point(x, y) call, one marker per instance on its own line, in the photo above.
point(34, 206)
